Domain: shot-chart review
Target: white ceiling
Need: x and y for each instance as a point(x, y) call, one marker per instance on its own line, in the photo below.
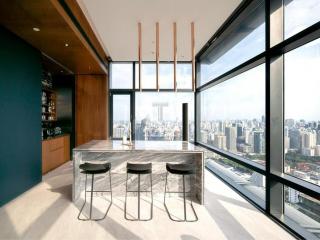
point(116, 24)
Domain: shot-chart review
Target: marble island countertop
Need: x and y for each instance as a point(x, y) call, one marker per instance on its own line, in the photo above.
point(152, 146)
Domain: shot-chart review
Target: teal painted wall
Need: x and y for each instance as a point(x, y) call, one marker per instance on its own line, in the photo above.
point(20, 116)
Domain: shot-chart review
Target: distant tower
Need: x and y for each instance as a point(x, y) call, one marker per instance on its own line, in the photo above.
point(258, 142)
point(160, 106)
point(231, 135)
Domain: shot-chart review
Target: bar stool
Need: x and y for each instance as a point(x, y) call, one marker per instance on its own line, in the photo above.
point(139, 169)
point(184, 170)
point(93, 169)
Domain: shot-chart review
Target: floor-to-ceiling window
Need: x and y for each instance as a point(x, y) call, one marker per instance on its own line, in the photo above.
point(257, 105)
point(159, 115)
point(151, 114)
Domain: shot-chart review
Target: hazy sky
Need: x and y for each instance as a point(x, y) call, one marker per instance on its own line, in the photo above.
point(242, 97)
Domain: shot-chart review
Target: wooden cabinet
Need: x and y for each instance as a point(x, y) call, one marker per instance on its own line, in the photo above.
point(55, 152)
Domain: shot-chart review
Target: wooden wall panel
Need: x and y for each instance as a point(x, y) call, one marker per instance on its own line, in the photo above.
point(91, 108)
point(56, 29)
point(55, 152)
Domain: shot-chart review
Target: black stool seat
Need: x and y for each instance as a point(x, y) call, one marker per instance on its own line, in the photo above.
point(181, 168)
point(139, 168)
point(95, 168)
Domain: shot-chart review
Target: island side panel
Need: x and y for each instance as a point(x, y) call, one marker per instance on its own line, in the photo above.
point(118, 161)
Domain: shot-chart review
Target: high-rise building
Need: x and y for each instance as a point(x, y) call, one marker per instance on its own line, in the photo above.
point(294, 135)
point(118, 131)
point(159, 106)
point(221, 127)
point(286, 143)
point(246, 134)
point(308, 139)
point(231, 138)
point(258, 145)
point(318, 136)
point(239, 131)
point(219, 141)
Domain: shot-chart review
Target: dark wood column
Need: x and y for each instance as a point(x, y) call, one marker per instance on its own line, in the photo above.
point(91, 108)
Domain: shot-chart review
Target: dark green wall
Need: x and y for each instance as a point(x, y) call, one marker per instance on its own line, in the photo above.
point(20, 116)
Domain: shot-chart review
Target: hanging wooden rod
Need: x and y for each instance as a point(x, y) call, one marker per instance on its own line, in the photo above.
point(193, 58)
point(139, 53)
point(175, 55)
point(157, 55)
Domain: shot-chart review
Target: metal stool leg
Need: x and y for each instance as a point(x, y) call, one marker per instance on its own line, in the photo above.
point(85, 198)
point(110, 185)
point(139, 196)
point(92, 179)
point(184, 198)
point(125, 200)
point(139, 200)
point(91, 199)
point(151, 196)
point(194, 211)
point(165, 188)
point(184, 202)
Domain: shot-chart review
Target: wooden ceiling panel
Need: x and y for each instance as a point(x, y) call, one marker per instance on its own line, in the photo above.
point(56, 29)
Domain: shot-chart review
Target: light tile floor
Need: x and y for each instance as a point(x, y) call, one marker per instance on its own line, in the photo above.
point(47, 212)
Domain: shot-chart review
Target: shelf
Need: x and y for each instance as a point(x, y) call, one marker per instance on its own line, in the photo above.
point(47, 89)
point(49, 113)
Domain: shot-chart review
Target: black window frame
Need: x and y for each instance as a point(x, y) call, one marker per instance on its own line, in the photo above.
point(275, 48)
point(132, 91)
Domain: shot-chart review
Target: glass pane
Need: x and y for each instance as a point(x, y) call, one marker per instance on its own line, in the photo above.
point(250, 183)
point(302, 115)
point(184, 76)
point(300, 14)
point(121, 75)
point(242, 41)
point(148, 76)
point(121, 115)
point(166, 76)
point(232, 115)
point(303, 210)
point(159, 115)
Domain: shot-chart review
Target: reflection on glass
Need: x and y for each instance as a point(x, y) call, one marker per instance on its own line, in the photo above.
point(303, 210)
point(232, 115)
point(300, 14)
point(250, 183)
point(242, 42)
point(166, 76)
point(159, 115)
point(184, 76)
point(302, 115)
point(148, 76)
point(121, 75)
point(121, 115)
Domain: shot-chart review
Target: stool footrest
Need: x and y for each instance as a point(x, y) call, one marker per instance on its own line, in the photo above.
point(139, 191)
point(99, 191)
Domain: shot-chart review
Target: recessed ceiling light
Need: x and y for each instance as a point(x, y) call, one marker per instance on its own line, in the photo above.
point(36, 29)
point(61, 71)
point(66, 44)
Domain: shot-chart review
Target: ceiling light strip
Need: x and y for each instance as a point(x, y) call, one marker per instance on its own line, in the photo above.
point(175, 55)
point(193, 58)
point(157, 54)
point(139, 53)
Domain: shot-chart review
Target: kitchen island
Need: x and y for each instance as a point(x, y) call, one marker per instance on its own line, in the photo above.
point(157, 152)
